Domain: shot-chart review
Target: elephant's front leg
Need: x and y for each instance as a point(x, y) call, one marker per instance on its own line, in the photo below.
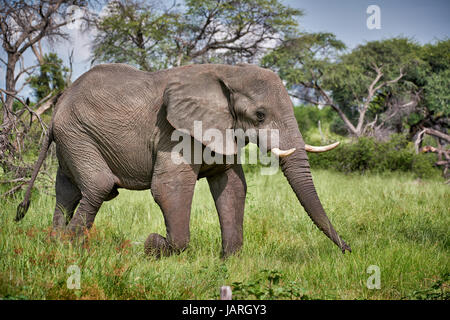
point(173, 189)
point(229, 190)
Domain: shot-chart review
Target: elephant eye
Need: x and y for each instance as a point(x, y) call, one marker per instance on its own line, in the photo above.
point(260, 116)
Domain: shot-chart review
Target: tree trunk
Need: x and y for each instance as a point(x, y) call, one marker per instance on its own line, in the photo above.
point(9, 119)
point(10, 86)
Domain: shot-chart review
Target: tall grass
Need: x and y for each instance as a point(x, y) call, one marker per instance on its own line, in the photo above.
point(392, 221)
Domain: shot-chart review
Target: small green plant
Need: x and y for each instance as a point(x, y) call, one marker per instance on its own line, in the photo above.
point(268, 285)
point(439, 290)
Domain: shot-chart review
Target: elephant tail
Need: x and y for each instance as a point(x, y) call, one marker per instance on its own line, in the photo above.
point(23, 206)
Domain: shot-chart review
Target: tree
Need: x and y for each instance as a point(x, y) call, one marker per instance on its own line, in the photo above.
point(353, 83)
point(434, 83)
point(432, 116)
point(232, 31)
point(307, 64)
point(203, 31)
point(134, 32)
point(23, 24)
point(437, 93)
point(51, 79)
point(375, 78)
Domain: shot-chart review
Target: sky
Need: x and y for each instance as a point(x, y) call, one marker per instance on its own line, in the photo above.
point(422, 20)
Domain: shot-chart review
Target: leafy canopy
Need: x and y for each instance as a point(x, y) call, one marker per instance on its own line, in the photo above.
point(51, 77)
point(153, 37)
point(357, 70)
point(307, 60)
point(436, 83)
point(134, 32)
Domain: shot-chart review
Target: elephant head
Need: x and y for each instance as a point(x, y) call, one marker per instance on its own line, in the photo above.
point(248, 97)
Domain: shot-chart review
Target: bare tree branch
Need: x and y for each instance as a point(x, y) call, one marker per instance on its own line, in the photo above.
point(23, 25)
point(438, 134)
point(13, 190)
point(32, 112)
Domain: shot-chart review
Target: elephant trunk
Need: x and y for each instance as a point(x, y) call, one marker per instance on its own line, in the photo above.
point(297, 171)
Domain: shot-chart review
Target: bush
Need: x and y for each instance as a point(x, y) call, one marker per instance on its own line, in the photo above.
point(422, 165)
point(369, 155)
point(308, 116)
point(338, 126)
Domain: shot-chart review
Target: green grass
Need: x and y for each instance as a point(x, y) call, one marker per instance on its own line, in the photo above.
point(392, 221)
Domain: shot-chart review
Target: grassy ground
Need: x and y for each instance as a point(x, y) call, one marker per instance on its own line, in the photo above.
point(394, 222)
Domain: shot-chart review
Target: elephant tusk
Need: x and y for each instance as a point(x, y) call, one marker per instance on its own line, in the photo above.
point(282, 153)
point(321, 149)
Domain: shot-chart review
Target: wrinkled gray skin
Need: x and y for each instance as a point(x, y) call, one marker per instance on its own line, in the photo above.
point(112, 130)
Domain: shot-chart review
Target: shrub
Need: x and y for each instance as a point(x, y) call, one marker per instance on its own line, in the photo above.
point(422, 166)
point(367, 154)
point(338, 126)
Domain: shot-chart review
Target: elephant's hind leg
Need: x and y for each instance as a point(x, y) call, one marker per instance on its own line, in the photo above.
point(97, 189)
point(68, 196)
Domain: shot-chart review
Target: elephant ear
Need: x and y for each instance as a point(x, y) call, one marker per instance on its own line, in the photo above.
point(206, 98)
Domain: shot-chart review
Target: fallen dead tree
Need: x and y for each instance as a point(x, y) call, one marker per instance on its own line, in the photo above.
point(443, 154)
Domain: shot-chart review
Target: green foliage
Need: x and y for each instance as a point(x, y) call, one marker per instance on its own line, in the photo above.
point(437, 93)
point(308, 116)
point(432, 80)
point(317, 69)
point(153, 38)
point(248, 24)
point(51, 77)
point(437, 55)
point(268, 285)
point(355, 71)
point(437, 291)
point(422, 165)
point(338, 126)
point(134, 32)
point(16, 105)
point(369, 155)
point(304, 59)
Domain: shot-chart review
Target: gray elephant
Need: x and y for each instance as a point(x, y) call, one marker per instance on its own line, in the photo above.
point(113, 126)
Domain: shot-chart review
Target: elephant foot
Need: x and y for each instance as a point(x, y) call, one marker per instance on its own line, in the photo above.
point(75, 231)
point(156, 246)
point(62, 234)
point(57, 233)
point(231, 250)
point(59, 222)
point(75, 236)
point(226, 254)
point(55, 236)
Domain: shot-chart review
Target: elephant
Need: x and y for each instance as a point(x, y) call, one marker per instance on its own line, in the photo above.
point(112, 129)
